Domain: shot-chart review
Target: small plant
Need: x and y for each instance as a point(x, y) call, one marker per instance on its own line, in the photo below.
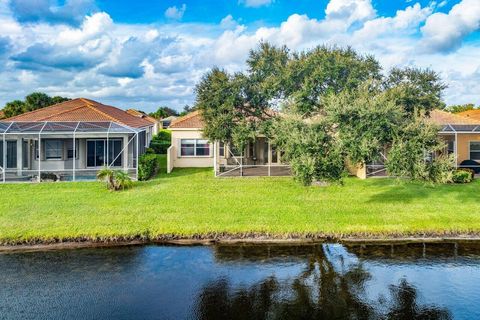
point(115, 179)
point(462, 176)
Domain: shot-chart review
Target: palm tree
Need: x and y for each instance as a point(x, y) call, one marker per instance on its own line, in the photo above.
point(122, 180)
point(107, 175)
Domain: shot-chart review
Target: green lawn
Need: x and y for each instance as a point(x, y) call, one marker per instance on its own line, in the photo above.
point(192, 202)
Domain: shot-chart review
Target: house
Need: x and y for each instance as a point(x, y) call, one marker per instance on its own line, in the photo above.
point(261, 158)
point(460, 133)
point(190, 149)
point(166, 122)
point(140, 114)
point(71, 140)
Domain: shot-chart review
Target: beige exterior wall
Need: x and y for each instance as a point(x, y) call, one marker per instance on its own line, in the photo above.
point(178, 161)
point(463, 144)
point(359, 170)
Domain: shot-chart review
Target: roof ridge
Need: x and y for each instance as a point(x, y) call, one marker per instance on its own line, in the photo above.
point(94, 108)
point(40, 109)
point(63, 111)
point(186, 117)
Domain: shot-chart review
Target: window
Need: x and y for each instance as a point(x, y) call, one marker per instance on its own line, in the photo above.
point(70, 150)
point(53, 149)
point(97, 153)
point(194, 148)
point(475, 150)
point(450, 147)
point(11, 154)
point(221, 149)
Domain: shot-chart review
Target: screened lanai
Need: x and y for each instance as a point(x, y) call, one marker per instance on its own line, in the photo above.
point(67, 150)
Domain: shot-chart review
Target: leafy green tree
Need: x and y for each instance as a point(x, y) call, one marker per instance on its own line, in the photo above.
point(325, 70)
point(417, 90)
point(37, 100)
point(418, 153)
point(14, 108)
point(311, 149)
point(59, 99)
point(365, 121)
point(163, 112)
point(33, 101)
point(460, 107)
point(187, 109)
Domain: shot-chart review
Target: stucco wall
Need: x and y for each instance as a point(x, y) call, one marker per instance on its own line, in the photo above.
point(188, 162)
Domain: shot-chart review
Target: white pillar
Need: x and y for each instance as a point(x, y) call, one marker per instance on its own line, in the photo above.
point(125, 153)
point(269, 158)
point(456, 150)
point(136, 161)
point(19, 156)
point(4, 165)
point(74, 159)
point(214, 158)
point(39, 158)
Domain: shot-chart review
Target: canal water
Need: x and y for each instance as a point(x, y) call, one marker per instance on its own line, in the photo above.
point(321, 281)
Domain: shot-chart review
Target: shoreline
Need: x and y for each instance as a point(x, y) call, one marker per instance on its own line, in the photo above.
point(231, 240)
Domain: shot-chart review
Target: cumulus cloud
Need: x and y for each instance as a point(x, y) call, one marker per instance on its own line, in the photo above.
point(148, 65)
point(255, 3)
point(445, 32)
point(71, 11)
point(350, 11)
point(175, 13)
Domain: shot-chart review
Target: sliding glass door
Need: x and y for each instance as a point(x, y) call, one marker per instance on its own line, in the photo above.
point(11, 154)
point(97, 152)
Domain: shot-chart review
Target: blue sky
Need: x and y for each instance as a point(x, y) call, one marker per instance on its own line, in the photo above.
point(144, 54)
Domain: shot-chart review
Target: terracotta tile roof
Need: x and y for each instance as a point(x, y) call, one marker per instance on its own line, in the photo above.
point(192, 120)
point(143, 115)
point(81, 109)
point(443, 117)
point(472, 114)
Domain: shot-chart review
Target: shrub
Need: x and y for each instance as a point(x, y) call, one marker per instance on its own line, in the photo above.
point(462, 176)
point(161, 142)
point(115, 179)
point(44, 176)
point(469, 170)
point(149, 151)
point(148, 165)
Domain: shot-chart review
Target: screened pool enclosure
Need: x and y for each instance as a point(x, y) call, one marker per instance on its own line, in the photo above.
point(67, 151)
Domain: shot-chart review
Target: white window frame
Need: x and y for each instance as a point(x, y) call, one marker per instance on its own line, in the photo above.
point(194, 149)
point(45, 141)
point(470, 149)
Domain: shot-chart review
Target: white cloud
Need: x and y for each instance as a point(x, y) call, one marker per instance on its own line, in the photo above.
point(350, 11)
point(175, 13)
point(445, 32)
point(149, 65)
point(255, 3)
point(228, 22)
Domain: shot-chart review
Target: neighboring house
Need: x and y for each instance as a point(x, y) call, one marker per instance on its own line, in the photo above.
point(461, 135)
point(260, 158)
point(140, 114)
point(166, 122)
point(71, 141)
point(190, 149)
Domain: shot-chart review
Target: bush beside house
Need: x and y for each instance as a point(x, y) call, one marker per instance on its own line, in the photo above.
point(148, 166)
point(161, 142)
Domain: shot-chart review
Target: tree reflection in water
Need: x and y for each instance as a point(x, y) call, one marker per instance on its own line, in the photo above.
point(320, 291)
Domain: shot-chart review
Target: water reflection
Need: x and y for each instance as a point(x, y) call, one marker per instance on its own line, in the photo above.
point(322, 290)
point(318, 281)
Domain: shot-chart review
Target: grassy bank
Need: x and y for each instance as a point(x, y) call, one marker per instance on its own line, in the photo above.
point(192, 202)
